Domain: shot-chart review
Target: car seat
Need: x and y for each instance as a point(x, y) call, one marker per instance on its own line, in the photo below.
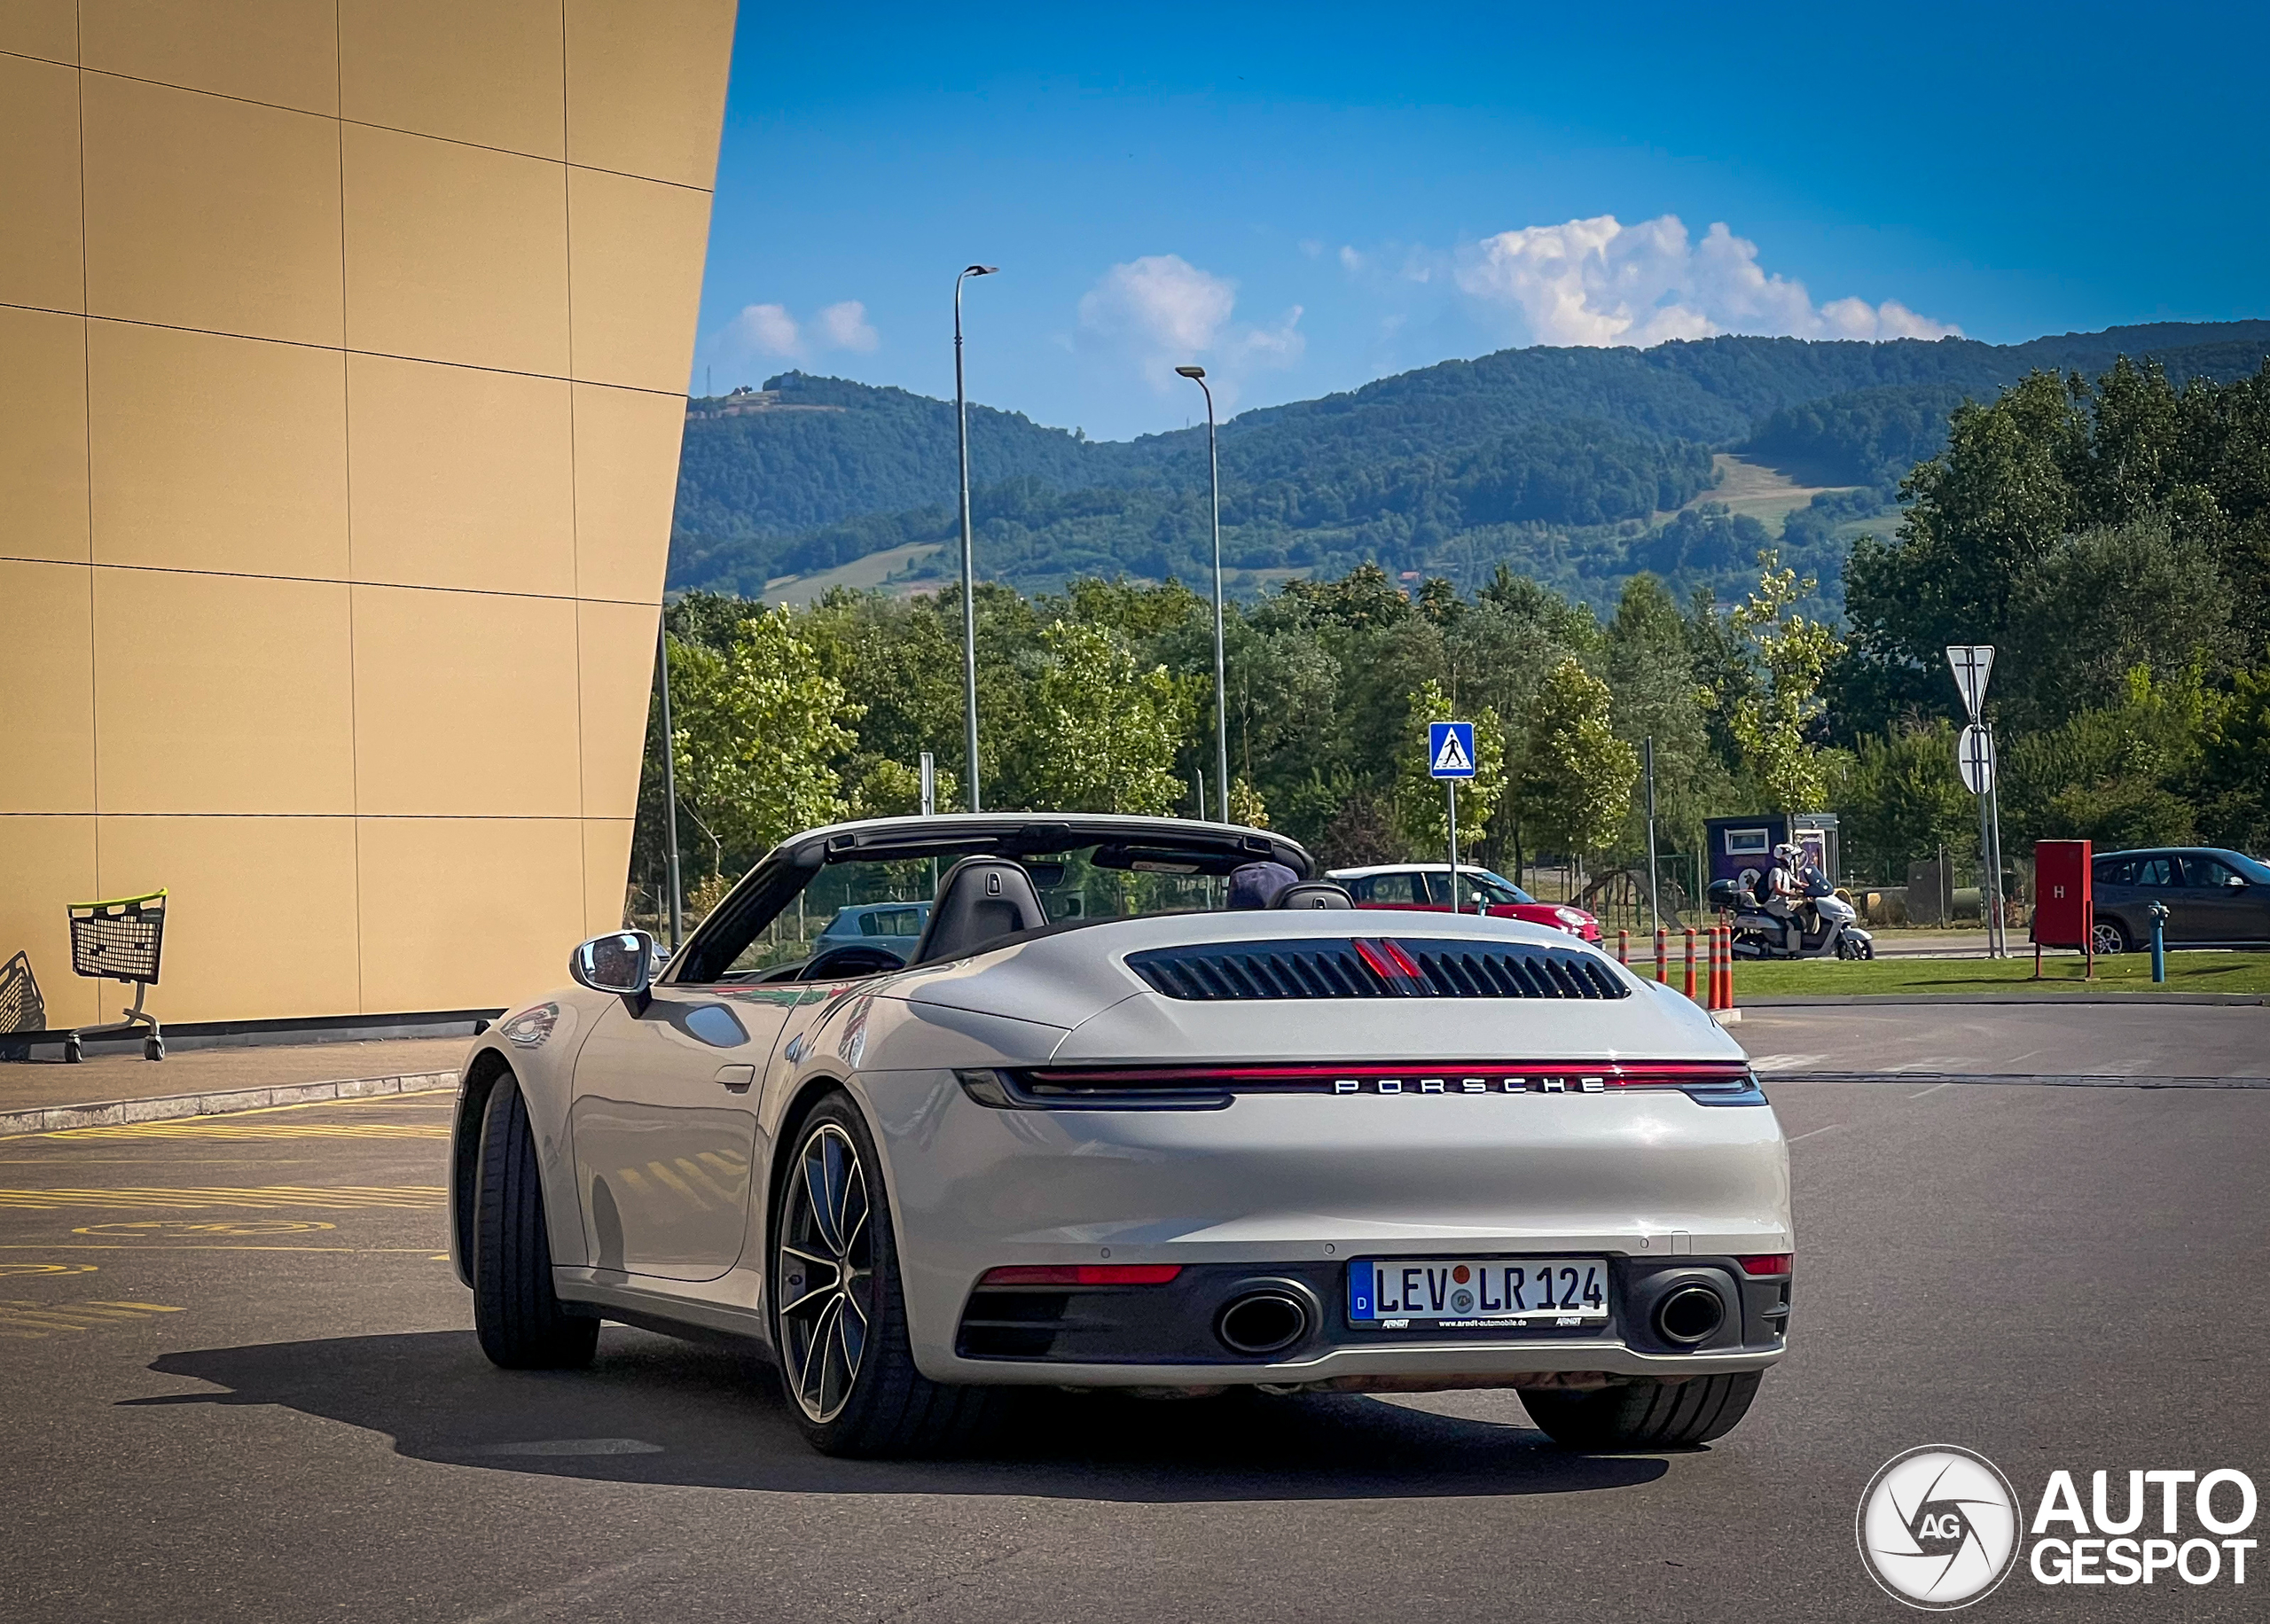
point(1313, 893)
point(979, 900)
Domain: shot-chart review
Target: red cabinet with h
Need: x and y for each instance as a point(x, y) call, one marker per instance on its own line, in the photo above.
point(2064, 906)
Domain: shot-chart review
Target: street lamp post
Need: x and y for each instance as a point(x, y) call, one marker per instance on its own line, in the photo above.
point(1197, 375)
point(968, 579)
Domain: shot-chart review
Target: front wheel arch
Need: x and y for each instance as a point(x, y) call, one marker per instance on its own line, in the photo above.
point(482, 1075)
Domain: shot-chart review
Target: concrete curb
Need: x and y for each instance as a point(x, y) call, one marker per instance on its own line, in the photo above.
point(111, 1113)
point(1768, 1001)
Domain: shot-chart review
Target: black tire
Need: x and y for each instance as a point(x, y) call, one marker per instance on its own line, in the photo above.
point(2110, 936)
point(1646, 1414)
point(520, 1319)
point(871, 1400)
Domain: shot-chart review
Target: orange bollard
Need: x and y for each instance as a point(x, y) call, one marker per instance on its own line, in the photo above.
point(1727, 993)
point(1720, 949)
point(1688, 987)
point(1624, 946)
point(1663, 956)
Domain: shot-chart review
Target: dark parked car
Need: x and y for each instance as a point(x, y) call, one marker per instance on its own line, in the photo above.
point(2214, 897)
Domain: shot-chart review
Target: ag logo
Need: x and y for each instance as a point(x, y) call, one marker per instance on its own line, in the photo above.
point(1937, 1527)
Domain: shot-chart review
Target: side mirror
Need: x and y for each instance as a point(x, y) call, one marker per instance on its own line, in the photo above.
point(621, 963)
point(2237, 882)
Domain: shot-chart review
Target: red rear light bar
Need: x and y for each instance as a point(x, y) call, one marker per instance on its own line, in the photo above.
point(1429, 1077)
point(1082, 1274)
point(1769, 1264)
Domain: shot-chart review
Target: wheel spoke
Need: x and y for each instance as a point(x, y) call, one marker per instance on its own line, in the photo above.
point(816, 1196)
point(852, 1343)
point(811, 1376)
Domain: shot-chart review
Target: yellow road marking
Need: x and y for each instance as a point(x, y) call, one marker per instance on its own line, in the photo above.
point(47, 1269)
point(407, 1197)
point(429, 1098)
point(220, 1127)
point(198, 1247)
point(21, 1320)
point(219, 1226)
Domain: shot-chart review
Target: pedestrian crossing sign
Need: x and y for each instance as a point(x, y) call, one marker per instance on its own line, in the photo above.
point(1450, 749)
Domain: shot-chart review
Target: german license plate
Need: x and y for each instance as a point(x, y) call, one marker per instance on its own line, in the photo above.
point(1397, 1293)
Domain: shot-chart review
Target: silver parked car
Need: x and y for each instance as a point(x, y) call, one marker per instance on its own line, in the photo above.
point(1096, 1130)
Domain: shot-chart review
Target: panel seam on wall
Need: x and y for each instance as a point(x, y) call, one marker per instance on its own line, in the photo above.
point(381, 355)
point(335, 580)
point(87, 417)
point(574, 497)
point(346, 425)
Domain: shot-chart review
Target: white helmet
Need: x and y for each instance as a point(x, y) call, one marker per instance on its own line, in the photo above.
point(1791, 856)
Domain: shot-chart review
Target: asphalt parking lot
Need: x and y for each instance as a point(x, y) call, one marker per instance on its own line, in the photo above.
point(240, 1383)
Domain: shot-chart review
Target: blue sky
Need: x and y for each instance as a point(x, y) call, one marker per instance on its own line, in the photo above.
point(1304, 198)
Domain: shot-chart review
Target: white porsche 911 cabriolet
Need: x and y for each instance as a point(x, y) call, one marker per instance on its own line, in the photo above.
point(1145, 1106)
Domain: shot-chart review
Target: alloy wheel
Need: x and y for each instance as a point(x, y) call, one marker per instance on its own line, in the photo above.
point(2108, 938)
point(824, 1276)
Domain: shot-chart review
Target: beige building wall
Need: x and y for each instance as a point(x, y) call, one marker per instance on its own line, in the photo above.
point(343, 349)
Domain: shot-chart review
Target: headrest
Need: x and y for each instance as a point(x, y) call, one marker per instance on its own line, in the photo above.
point(1313, 893)
point(979, 900)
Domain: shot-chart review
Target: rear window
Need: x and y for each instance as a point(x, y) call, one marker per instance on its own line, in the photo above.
point(2116, 870)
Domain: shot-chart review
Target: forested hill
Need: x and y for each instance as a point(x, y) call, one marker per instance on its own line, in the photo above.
point(1560, 461)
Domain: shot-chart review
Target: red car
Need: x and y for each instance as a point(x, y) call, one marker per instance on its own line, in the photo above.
point(1426, 886)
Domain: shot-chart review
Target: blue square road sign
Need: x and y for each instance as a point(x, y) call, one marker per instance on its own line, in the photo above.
point(1450, 749)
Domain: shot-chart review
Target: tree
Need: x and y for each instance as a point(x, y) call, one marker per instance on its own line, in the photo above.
point(2113, 775)
point(759, 730)
point(1105, 732)
point(1770, 725)
point(2235, 764)
point(1575, 782)
point(1904, 798)
point(1651, 672)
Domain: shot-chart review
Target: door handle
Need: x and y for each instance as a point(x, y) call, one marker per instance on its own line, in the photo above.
point(736, 1079)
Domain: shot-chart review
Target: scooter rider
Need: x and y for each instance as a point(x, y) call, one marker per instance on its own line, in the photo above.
point(1783, 891)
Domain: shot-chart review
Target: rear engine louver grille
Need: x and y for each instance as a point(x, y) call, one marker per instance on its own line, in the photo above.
point(1348, 967)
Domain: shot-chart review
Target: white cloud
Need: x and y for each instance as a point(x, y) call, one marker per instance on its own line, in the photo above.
point(846, 327)
point(1601, 282)
point(761, 330)
point(1161, 312)
point(768, 333)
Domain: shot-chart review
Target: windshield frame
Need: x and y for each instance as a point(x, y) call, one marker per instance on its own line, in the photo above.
point(772, 886)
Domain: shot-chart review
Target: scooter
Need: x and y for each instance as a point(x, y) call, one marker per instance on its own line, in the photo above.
point(1832, 932)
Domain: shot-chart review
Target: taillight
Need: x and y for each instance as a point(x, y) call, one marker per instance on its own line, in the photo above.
point(1082, 1274)
point(1769, 1263)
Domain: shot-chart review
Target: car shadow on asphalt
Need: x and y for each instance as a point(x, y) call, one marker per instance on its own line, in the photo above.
point(654, 1410)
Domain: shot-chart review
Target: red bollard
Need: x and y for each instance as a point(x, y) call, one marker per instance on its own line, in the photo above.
point(1689, 987)
point(1663, 956)
point(1624, 946)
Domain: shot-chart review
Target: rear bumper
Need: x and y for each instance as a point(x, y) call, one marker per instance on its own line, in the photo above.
point(1296, 1187)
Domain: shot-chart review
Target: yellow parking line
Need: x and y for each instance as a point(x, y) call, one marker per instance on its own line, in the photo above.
point(406, 1197)
point(222, 1127)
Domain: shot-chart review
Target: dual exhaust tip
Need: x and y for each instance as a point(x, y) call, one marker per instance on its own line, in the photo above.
point(1271, 1318)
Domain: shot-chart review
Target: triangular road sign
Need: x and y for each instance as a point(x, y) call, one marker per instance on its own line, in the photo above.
point(1972, 664)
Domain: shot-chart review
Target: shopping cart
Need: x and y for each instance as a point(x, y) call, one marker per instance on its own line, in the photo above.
point(21, 1007)
point(119, 941)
